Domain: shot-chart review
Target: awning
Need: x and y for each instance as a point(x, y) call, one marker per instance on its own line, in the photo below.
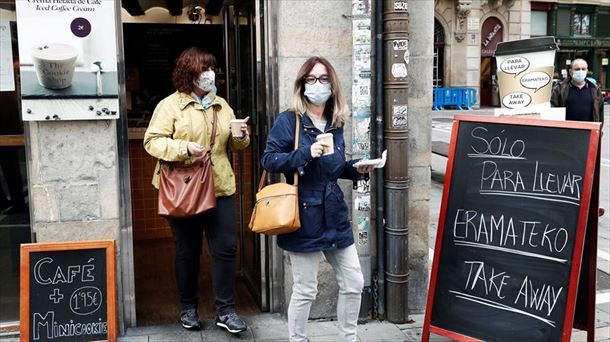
point(138, 7)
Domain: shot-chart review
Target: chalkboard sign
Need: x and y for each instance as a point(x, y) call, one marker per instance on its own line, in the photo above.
point(511, 229)
point(68, 291)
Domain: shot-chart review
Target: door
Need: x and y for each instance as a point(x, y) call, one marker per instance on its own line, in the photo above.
point(15, 227)
point(243, 96)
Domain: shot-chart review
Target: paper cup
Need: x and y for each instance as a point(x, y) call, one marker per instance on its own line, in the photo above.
point(525, 72)
point(54, 64)
point(327, 138)
point(236, 128)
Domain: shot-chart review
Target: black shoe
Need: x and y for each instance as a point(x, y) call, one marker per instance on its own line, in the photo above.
point(190, 319)
point(231, 322)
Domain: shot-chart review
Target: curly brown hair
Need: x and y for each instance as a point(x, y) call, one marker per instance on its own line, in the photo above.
point(189, 65)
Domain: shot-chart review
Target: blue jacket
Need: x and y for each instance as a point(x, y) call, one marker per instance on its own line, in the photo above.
point(324, 215)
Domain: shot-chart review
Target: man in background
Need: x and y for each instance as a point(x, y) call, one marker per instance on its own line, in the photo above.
point(582, 98)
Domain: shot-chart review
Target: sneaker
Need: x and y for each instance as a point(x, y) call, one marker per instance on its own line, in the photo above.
point(231, 322)
point(190, 319)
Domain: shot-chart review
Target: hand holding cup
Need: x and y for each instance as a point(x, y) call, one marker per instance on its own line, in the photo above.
point(239, 127)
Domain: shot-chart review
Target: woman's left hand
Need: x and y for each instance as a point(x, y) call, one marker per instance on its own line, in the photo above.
point(244, 127)
point(365, 168)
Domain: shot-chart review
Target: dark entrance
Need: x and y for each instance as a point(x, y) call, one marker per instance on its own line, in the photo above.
point(15, 227)
point(491, 35)
point(438, 69)
point(150, 51)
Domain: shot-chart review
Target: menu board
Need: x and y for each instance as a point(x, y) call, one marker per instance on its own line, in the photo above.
point(68, 291)
point(511, 230)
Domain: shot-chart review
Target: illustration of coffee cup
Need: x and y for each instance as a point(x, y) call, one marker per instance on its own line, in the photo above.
point(236, 127)
point(327, 138)
point(525, 71)
point(54, 64)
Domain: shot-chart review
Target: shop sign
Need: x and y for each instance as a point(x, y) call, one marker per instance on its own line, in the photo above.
point(491, 35)
point(589, 43)
point(68, 60)
point(7, 77)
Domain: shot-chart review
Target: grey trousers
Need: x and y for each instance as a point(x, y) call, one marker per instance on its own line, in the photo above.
point(305, 288)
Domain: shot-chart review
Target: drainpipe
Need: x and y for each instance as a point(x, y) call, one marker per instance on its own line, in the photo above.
point(378, 146)
point(395, 88)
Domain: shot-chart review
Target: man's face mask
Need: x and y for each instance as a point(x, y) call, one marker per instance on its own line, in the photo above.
point(206, 80)
point(317, 93)
point(579, 75)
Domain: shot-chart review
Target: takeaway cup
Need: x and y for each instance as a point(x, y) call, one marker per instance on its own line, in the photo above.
point(54, 64)
point(236, 127)
point(327, 138)
point(525, 72)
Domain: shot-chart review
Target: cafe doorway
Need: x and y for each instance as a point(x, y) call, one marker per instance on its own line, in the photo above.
point(150, 51)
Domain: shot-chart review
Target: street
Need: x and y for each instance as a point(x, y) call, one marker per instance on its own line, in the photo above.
point(441, 131)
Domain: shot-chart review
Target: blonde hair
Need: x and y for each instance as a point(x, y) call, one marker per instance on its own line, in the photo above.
point(335, 105)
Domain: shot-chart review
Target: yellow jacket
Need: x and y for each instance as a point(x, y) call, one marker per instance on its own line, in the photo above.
point(179, 119)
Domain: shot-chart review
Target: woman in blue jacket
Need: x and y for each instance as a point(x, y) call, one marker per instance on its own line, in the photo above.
point(325, 225)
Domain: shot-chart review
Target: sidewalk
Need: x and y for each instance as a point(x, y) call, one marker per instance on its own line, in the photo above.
point(273, 328)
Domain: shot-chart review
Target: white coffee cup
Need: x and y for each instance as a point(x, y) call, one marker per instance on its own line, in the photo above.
point(328, 139)
point(54, 64)
point(236, 127)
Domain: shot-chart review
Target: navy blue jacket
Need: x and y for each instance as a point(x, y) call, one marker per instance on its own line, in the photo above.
point(324, 215)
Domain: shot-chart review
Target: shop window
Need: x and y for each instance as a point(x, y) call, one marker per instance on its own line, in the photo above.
point(563, 22)
point(603, 30)
point(581, 24)
point(539, 23)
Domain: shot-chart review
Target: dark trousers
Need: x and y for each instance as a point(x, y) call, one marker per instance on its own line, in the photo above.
point(221, 232)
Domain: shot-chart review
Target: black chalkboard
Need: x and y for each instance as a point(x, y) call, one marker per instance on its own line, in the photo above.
point(511, 230)
point(67, 291)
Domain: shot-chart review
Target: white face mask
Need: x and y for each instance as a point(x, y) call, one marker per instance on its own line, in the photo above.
point(317, 93)
point(579, 75)
point(206, 80)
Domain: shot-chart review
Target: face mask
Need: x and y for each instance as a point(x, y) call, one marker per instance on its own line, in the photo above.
point(579, 75)
point(317, 93)
point(205, 81)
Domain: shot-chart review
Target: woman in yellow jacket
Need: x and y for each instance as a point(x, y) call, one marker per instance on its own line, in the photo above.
point(180, 130)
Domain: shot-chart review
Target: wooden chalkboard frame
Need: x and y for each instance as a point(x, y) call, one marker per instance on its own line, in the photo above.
point(24, 297)
point(577, 261)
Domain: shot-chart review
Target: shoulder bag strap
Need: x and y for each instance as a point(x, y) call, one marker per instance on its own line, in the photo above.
point(297, 130)
point(214, 125)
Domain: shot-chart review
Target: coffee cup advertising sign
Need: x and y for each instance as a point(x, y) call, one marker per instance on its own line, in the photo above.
point(525, 72)
point(68, 60)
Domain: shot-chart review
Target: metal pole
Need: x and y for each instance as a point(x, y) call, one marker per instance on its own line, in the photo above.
point(378, 134)
point(395, 87)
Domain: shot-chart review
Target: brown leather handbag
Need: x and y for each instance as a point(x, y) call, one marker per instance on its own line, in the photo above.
point(277, 205)
point(188, 189)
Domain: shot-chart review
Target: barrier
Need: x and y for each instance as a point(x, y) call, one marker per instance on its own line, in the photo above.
point(460, 98)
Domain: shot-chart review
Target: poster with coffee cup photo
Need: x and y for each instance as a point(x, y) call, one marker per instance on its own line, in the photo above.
point(68, 60)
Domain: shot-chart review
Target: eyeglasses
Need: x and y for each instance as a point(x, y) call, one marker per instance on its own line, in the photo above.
point(311, 79)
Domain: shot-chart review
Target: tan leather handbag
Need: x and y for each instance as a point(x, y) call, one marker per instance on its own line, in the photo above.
point(188, 189)
point(277, 205)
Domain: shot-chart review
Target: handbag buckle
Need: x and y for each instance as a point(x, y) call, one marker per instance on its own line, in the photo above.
point(187, 179)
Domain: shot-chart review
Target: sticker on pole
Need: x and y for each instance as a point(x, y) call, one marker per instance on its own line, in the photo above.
point(515, 65)
point(516, 100)
point(535, 80)
point(400, 44)
point(399, 70)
